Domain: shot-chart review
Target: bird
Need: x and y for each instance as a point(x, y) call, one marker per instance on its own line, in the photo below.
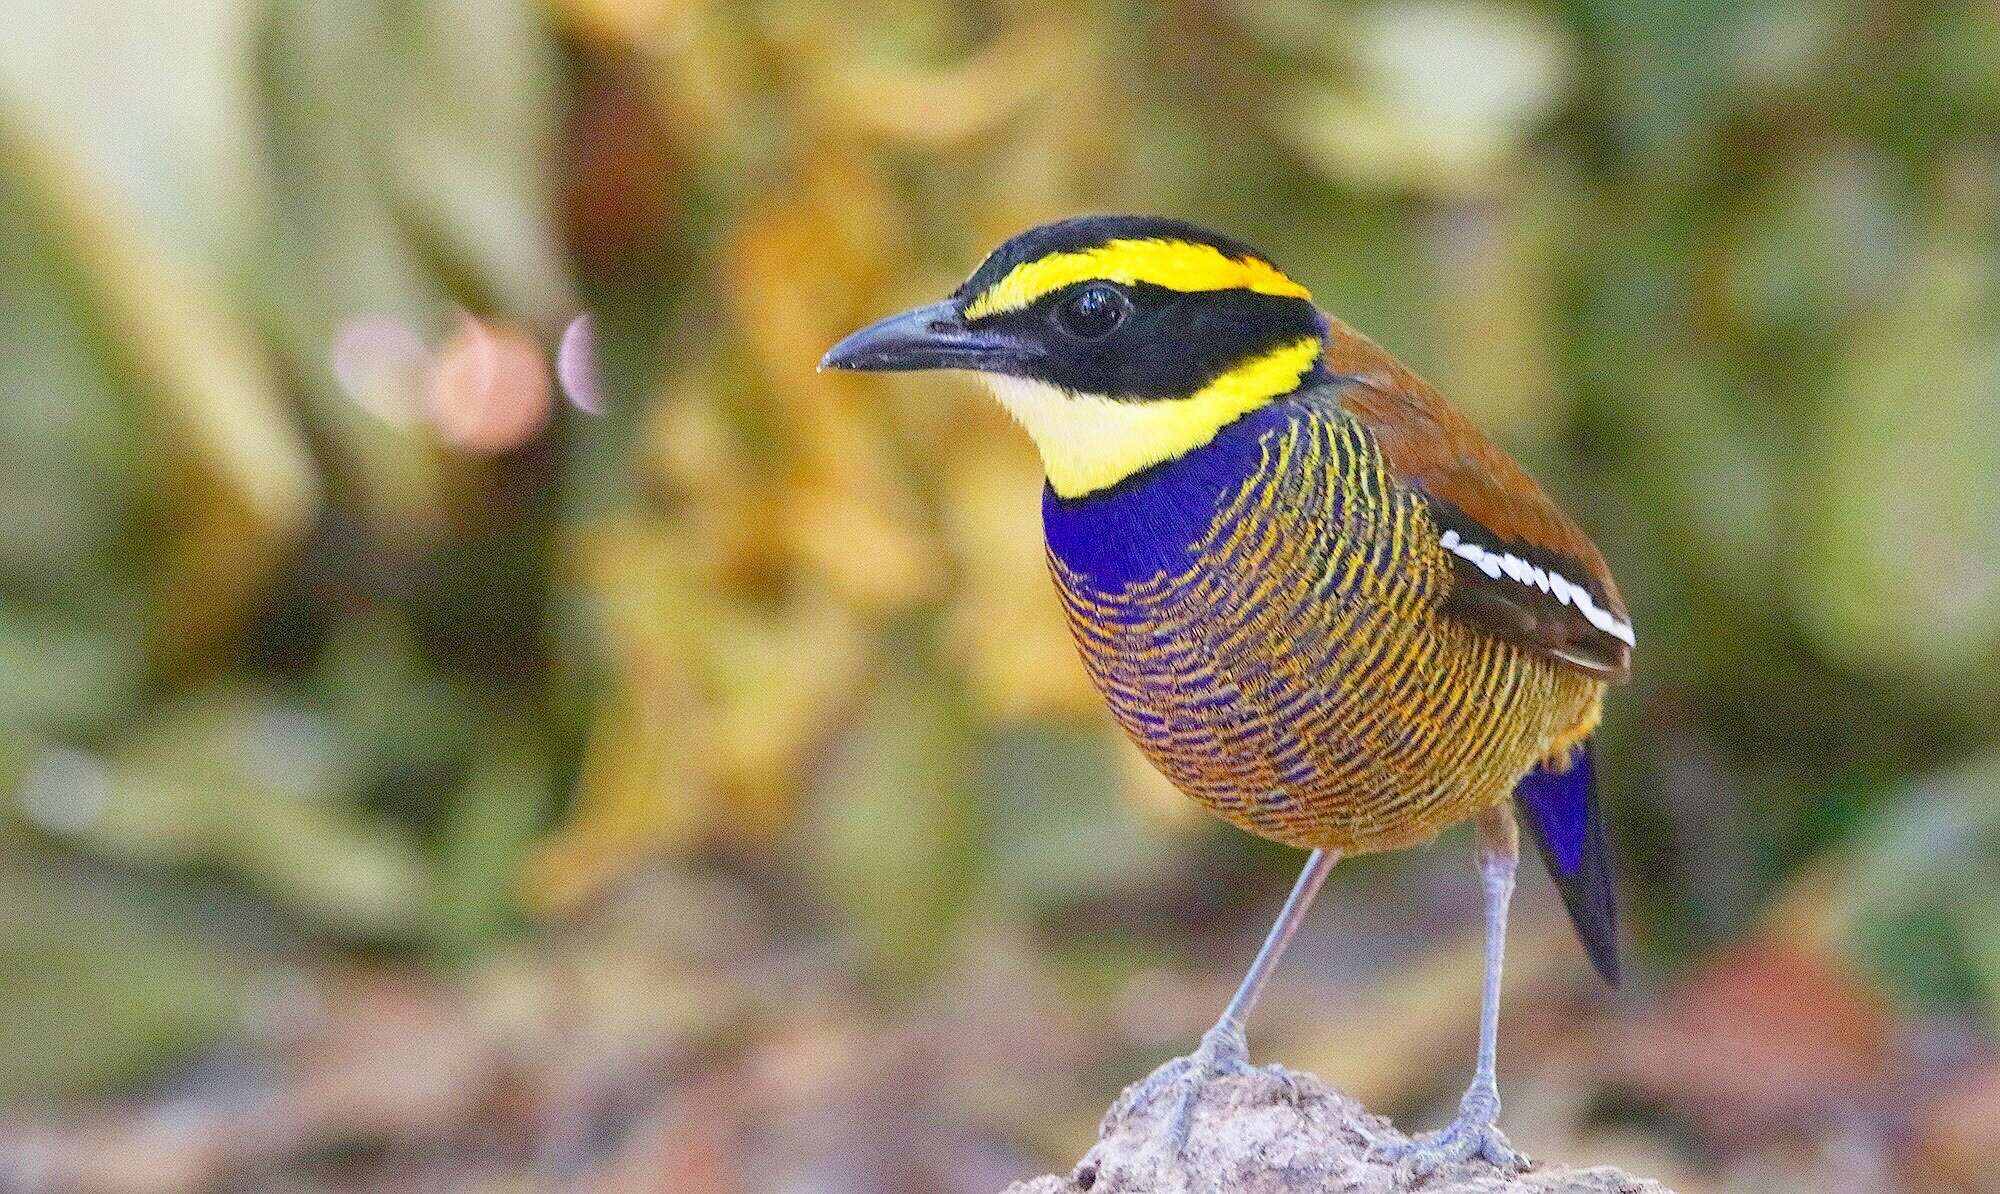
point(1320, 600)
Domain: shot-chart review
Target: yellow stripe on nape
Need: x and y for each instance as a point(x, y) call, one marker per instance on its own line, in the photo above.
point(1090, 442)
point(1174, 264)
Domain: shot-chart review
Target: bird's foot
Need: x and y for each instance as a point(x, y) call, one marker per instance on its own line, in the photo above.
point(1223, 1052)
point(1473, 1135)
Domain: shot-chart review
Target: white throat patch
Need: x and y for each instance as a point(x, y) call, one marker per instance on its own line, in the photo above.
point(1089, 442)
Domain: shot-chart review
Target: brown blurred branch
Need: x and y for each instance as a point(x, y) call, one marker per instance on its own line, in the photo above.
point(1263, 1134)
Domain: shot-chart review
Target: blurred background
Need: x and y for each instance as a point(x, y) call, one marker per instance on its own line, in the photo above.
point(412, 781)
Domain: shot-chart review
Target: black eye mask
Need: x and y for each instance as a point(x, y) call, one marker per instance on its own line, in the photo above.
point(1169, 345)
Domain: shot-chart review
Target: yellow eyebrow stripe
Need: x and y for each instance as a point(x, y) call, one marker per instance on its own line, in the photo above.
point(1174, 264)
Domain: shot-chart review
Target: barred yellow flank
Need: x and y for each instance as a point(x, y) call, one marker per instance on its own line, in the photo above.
point(1298, 677)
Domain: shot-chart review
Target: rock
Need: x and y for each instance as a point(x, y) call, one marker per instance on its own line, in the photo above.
point(1277, 1131)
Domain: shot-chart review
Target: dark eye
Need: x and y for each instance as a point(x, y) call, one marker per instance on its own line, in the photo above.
point(1093, 312)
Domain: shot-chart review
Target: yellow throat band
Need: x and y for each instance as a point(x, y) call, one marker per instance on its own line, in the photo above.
point(1174, 264)
point(1089, 442)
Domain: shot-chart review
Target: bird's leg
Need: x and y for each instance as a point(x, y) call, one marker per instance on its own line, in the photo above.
point(1224, 1049)
point(1473, 1132)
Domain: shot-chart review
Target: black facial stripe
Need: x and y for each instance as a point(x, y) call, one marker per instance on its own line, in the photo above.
point(1173, 343)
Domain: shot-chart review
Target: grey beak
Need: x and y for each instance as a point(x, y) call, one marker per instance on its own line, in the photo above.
point(932, 337)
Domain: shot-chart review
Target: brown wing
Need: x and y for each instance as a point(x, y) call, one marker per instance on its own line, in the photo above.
point(1522, 569)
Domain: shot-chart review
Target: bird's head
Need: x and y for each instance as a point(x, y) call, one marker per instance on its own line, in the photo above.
point(1119, 342)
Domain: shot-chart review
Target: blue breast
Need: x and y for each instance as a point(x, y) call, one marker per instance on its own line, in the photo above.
point(1150, 522)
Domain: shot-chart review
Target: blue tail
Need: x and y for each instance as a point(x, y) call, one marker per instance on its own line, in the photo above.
point(1560, 807)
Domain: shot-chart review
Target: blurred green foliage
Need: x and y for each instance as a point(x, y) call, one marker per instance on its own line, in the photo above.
point(283, 677)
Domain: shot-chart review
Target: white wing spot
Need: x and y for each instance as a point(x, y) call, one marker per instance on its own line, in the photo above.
point(1563, 589)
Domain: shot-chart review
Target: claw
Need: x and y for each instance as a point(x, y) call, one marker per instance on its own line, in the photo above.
point(1223, 1052)
point(1472, 1135)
